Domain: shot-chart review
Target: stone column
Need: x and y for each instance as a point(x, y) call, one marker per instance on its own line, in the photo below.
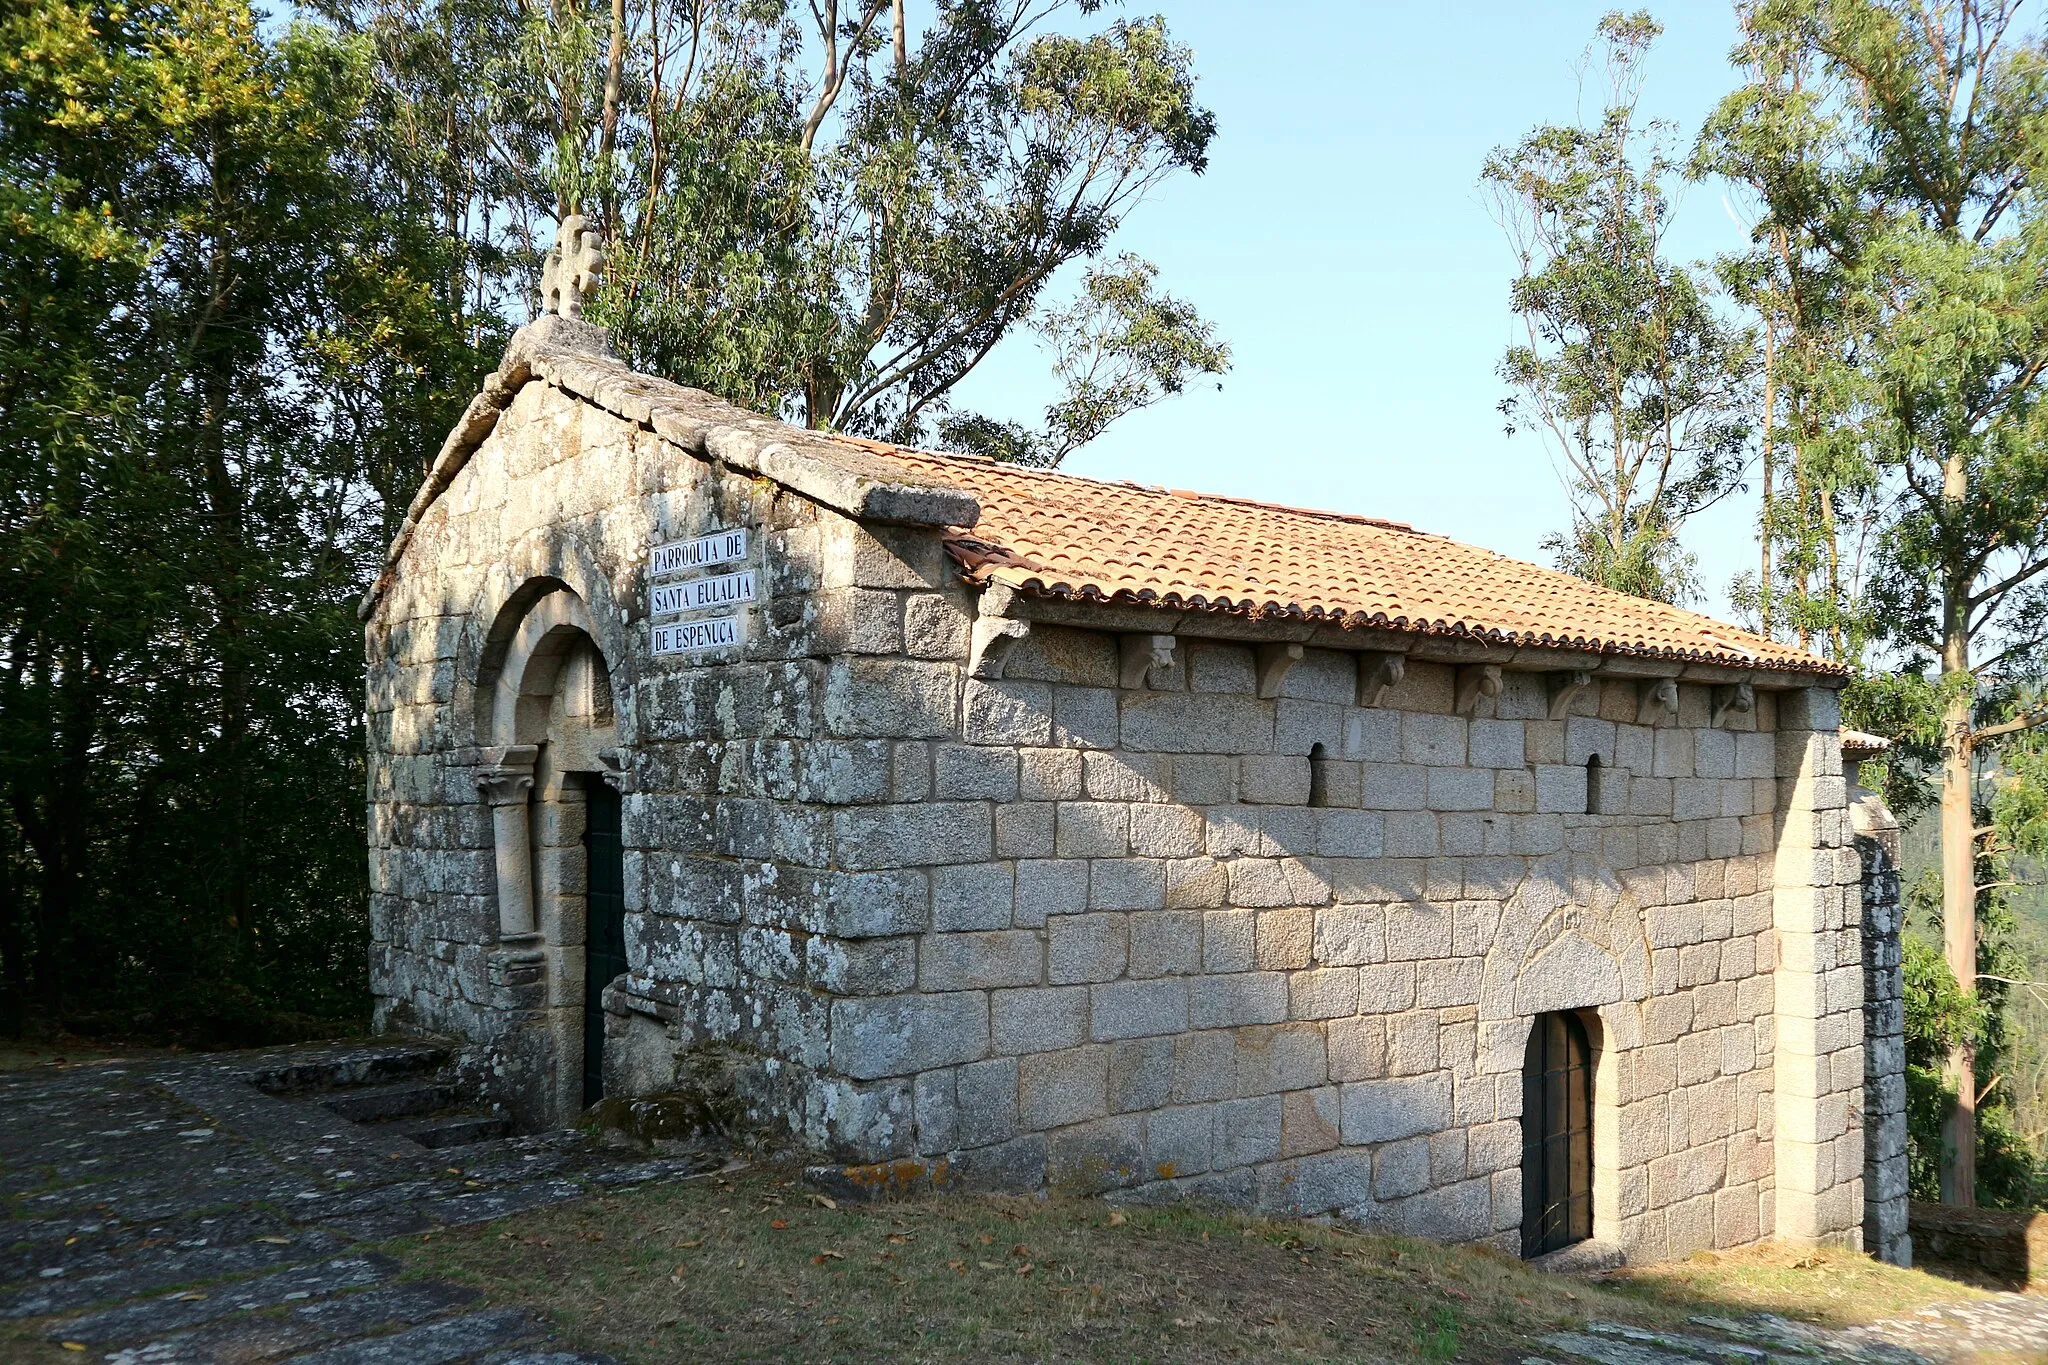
point(1817, 1136)
point(505, 782)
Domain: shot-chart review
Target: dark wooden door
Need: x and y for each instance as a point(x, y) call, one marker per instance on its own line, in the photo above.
point(604, 953)
point(1557, 1135)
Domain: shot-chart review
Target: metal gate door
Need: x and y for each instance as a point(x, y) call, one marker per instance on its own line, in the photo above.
point(604, 951)
point(1557, 1135)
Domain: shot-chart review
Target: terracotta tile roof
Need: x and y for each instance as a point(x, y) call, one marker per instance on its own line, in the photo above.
point(1060, 535)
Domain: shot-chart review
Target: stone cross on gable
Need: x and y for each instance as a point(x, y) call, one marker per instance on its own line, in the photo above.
point(572, 268)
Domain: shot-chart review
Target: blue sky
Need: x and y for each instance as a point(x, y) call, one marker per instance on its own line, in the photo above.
point(1341, 244)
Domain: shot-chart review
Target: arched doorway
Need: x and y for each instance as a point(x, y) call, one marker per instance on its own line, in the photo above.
point(1557, 1134)
point(545, 704)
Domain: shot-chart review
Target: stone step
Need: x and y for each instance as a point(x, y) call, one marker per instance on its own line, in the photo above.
point(345, 1067)
point(398, 1100)
point(451, 1130)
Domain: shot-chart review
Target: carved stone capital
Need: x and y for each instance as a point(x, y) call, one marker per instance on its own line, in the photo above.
point(507, 774)
point(993, 640)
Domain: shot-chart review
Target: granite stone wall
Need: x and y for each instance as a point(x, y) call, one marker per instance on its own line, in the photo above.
point(1226, 933)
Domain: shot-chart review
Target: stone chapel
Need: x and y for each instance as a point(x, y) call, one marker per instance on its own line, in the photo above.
point(1001, 828)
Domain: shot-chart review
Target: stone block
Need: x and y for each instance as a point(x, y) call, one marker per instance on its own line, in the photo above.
point(1401, 1168)
point(1393, 786)
point(875, 966)
point(1389, 1110)
point(1127, 884)
point(1039, 1019)
point(1339, 1181)
point(1273, 779)
point(1167, 831)
point(1048, 775)
point(933, 832)
point(1204, 779)
point(1007, 712)
point(1412, 1043)
point(934, 627)
point(1286, 1057)
point(1417, 929)
point(890, 698)
point(1350, 833)
point(986, 1098)
point(1308, 1121)
point(972, 896)
point(1024, 829)
point(1138, 1009)
point(1058, 1088)
point(1140, 1074)
point(902, 1035)
point(980, 961)
point(1049, 887)
point(1195, 722)
point(1247, 1131)
point(1168, 943)
point(1237, 999)
point(971, 772)
point(1461, 789)
point(1323, 993)
point(1411, 834)
point(1115, 776)
point(1085, 948)
point(1433, 740)
point(1092, 1158)
point(1204, 1066)
point(1228, 940)
point(1285, 939)
point(864, 904)
point(936, 1111)
point(1495, 744)
point(1178, 1141)
point(1093, 829)
point(1196, 883)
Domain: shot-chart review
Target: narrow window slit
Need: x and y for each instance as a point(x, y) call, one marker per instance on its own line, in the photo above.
point(1318, 776)
point(1593, 784)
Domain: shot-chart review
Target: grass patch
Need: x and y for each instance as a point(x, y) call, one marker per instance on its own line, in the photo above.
point(757, 1267)
point(1835, 1289)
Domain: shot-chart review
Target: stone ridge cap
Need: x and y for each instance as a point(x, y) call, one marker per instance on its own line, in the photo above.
point(576, 357)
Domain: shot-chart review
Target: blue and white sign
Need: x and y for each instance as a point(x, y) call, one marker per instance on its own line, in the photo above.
point(691, 637)
point(680, 556)
point(725, 590)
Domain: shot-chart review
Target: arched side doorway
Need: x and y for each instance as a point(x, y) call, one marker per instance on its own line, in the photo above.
point(1557, 1134)
point(545, 705)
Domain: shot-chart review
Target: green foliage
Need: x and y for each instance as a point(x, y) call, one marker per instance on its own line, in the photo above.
point(216, 349)
point(808, 219)
point(1627, 370)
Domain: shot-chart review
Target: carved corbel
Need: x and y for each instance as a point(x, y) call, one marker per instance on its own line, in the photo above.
point(1564, 687)
point(1733, 699)
point(1659, 701)
point(1476, 681)
point(616, 768)
point(1138, 655)
point(1274, 661)
point(1377, 675)
point(994, 639)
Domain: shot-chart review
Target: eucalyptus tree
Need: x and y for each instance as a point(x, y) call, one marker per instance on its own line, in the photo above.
point(818, 210)
point(1900, 145)
point(1627, 371)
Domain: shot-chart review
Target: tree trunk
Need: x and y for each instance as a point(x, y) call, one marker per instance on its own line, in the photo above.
point(1959, 889)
